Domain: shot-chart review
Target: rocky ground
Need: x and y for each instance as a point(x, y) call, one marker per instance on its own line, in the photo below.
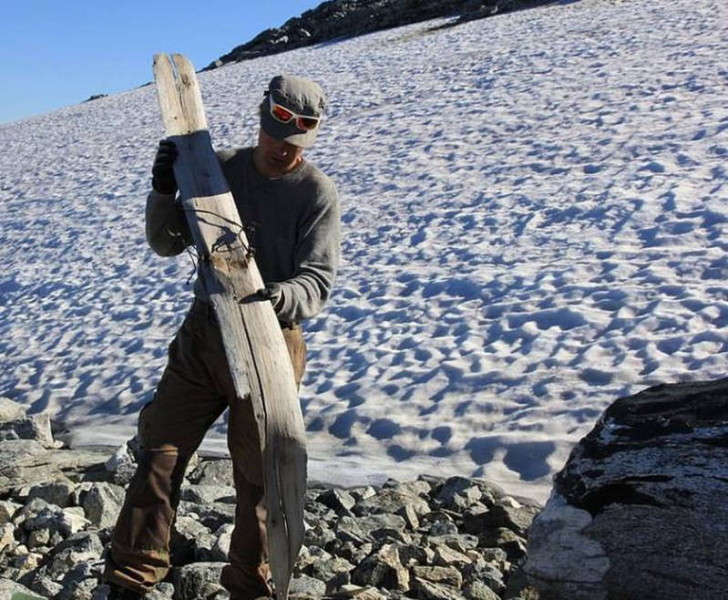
point(431, 538)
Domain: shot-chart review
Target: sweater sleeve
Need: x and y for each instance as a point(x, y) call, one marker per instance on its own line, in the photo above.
point(317, 254)
point(167, 231)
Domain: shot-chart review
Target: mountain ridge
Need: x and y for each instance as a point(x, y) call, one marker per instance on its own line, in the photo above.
point(342, 19)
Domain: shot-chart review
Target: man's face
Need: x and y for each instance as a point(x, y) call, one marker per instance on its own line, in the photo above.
point(275, 157)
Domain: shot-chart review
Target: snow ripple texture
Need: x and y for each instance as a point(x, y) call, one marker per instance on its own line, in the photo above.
point(534, 212)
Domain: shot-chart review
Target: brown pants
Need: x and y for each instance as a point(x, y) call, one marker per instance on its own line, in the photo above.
point(195, 389)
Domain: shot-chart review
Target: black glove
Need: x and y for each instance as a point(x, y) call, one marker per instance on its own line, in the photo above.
point(163, 172)
point(272, 293)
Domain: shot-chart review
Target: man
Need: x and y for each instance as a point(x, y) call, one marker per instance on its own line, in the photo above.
point(294, 209)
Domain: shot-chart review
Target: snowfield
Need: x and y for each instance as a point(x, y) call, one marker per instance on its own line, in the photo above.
point(535, 223)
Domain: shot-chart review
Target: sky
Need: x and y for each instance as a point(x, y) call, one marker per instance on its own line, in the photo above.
point(55, 54)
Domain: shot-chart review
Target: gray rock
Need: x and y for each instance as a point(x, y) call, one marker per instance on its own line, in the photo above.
point(409, 514)
point(449, 576)
point(362, 493)
point(65, 521)
point(122, 465)
point(458, 493)
point(325, 570)
point(102, 504)
point(502, 537)
point(461, 543)
point(206, 493)
point(81, 548)
point(359, 593)
point(79, 583)
point(319, 535)
point(165, 591)
point(433, 591)
point(7, 537)
point(392, 501)
point(212, 516)
point(307, 586)
point(649, 479)
point(486, 573)
point(7, 510)
point(27, 562)
point(34, 427)
point(46, 587)
point(382, 569)
point(517, 519)
point(58, 492)
point(338, 500)
point(221, 547)
point(447, 557)
point(190, 580)
point(25, 462)
point(477, 590)
point(213, 472)
point(355, 554)
point(377, 521)
point(12, 590)
point(191, 541)
point(214, 591)
point(39, 537)
point(10, 411)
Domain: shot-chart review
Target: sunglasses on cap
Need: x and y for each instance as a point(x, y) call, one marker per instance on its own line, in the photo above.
point(283, 115)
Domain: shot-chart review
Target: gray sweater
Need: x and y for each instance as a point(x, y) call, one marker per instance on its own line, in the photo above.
point(296, 230)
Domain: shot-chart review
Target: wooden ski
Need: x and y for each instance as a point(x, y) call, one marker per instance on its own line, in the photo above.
point(254, 344)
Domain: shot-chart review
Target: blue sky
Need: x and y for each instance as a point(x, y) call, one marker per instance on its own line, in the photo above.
point(59, 53)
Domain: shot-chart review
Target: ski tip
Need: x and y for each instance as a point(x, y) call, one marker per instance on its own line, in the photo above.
point(183, 63)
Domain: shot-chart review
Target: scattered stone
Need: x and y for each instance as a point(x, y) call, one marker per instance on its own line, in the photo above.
point(458, 493)
point(11, 411)
point(433, 591)
point(408, 538)
point(445, 575)
point(10, 589)
point(7, 510)
point(102, 504)
point(517, 519)
point(34, 427)
point(477, 590)
point(383, 569)
point(7, 537)
point(55, 492)
point(190, 580)
point(338, 500)
point(121, 466)
point(204, 494)
point(391, 502)
point(222, 545)
point(307, 586)
point(213, 472)
point(24, 462)
point(191, 542)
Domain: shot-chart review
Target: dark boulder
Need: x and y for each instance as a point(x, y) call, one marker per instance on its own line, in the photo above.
point(639, 510)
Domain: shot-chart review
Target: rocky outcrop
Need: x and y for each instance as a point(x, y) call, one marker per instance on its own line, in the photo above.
point(339, 19)
point(639, 510)
point(433, 538)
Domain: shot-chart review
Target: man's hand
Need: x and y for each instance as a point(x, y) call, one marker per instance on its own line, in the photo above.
point(272, 293)
point(163, 170)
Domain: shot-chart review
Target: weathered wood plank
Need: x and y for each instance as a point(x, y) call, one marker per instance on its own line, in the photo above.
point(254, 345)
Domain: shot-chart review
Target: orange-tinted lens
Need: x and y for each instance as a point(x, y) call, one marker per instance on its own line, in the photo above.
point(280, 113)
point(307, 124)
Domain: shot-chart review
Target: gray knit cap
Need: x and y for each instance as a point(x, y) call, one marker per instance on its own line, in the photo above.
point(300, 95)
